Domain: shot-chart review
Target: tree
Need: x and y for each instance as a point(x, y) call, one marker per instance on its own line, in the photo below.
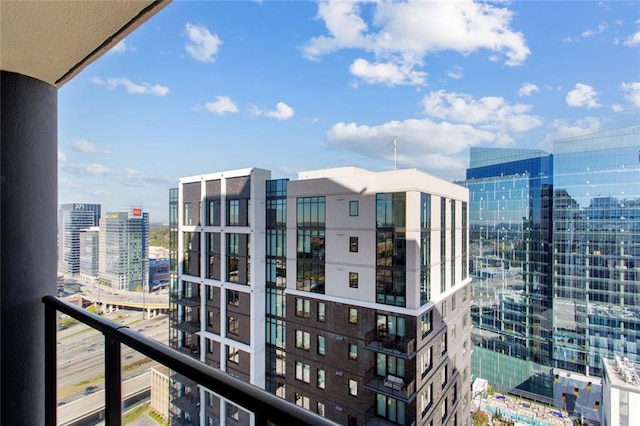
point(480, 418)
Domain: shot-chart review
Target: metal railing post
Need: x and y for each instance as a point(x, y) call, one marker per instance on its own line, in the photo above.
point(112, 380)
point(50, 365)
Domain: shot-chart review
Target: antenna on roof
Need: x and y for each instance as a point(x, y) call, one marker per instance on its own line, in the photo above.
point(395, 153)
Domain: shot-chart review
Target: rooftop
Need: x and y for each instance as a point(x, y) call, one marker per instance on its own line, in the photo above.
point(622, 373)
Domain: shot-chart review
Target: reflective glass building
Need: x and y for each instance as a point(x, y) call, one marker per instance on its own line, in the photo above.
point(596, 256)
point(510, 227)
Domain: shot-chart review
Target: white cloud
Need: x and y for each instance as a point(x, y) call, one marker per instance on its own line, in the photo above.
point(632, 92)
point(421, 143)
point(131, 87)
point(81, 145)
point(61, 157)
point(405, 32)
point(456, 72)
point(387, 73)
point(582, 96)
point(222, 105)
point(202, 45)
point(126, 177)
point(527, 89)
point(564, 129)
point(490, 112)
point(632, 40)
point(122, 46)
point(590, 32)
point(617, 108)
point(282, 112)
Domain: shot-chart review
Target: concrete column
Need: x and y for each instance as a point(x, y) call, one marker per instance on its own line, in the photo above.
point(28, 234)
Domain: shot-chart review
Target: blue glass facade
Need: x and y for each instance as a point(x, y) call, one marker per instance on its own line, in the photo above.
point(596, 260)
point(510, 229)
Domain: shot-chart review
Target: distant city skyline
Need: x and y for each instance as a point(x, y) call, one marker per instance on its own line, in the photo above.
point(293, 86)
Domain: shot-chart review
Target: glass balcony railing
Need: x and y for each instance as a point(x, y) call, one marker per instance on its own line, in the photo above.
point(265, 408)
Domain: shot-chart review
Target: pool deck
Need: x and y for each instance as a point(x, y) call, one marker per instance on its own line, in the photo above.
point(524, 410)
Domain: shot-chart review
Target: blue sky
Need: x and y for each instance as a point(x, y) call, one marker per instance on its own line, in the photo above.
point(296, 85)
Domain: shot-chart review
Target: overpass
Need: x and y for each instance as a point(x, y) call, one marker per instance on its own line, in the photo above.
point(89, 409)
point(152, 308)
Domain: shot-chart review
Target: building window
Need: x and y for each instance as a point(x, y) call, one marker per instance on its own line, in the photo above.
point(390, 325)
point(353, 387)
point(391, 287)
point(321, 410)
point(303, 372)
point(321, 378)
point(353, 315)
point(353, 351)
point(426, 399)
point(210, 346)
point(303, 340)
point(464, 294)
point(303, 308)
point(233, 412)
point(353, 244)
point(443, 343)
point(464, 347)
point(210, 318)
point(427, 361)
point(453, 303)
point(210, 293)
point(321, 311)
point(188, 221)
point(302, 401)
point(233, 326)
point(444, 375)
point(425, 285)
point(320, 345)
point(425, 210)
point(444, 410)
point(444, 309)
point(390, 210)
point(238, 212)
point(453, 333)
point(353, 208)
point(427, 323)
point(233, 298)
point(353, 279)
point(311, 211)
point(213, 253)
point(238, 258)
point(233, 354)
point(213, 213)
point(465, 320)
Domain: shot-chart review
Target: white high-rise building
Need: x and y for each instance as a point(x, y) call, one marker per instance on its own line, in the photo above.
point(346, 292)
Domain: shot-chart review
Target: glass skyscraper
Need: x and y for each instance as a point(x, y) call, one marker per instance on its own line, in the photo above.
point(124, 250)
point(596, 256)
point(510, 228)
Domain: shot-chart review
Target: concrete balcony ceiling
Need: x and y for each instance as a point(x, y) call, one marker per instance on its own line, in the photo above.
point(52, 41)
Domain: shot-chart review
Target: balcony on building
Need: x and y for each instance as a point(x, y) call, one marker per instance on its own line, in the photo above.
point(380, 340)
point(400, 388)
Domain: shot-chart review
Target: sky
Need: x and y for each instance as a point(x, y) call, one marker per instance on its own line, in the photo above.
point(289, 86)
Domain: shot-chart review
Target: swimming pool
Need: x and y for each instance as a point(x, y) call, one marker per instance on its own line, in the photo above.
point(517, 417)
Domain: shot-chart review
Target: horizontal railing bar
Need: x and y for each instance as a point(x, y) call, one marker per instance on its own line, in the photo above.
point(263, 404)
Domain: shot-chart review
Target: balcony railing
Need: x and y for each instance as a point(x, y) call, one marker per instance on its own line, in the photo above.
point(396, 387)
point(267, 408)
point(381, 341)
point(183, 300)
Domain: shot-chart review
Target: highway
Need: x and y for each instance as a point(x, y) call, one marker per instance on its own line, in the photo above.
point(80, 353)
point(91, 404)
